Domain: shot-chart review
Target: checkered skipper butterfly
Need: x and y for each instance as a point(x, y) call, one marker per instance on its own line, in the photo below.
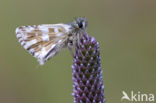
point(46, 40)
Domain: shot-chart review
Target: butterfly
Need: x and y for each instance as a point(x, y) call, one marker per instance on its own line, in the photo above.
point(46, 40)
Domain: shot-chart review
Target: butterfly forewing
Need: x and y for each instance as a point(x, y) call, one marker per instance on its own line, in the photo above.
point(43, 41)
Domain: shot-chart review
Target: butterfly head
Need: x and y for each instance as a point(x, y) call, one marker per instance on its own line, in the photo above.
point(80, 23)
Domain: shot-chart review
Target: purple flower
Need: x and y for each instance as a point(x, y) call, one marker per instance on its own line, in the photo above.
point(87, 73)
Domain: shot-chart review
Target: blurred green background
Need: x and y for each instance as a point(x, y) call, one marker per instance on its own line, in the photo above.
point(125, 29)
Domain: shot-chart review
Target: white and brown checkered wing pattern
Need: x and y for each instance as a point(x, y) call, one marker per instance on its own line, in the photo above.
point(43, 41)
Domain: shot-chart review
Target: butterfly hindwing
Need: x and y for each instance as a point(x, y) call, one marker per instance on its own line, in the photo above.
point(43, 41)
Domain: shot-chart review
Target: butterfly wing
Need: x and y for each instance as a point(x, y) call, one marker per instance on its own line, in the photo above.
point(43, 41)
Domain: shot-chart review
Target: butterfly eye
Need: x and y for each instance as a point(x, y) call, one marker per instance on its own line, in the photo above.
point(80, 25)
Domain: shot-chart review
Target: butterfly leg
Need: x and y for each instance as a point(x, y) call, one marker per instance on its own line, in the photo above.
point(70, 46)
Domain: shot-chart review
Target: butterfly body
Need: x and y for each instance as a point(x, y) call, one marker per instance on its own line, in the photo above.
point(46, 40)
